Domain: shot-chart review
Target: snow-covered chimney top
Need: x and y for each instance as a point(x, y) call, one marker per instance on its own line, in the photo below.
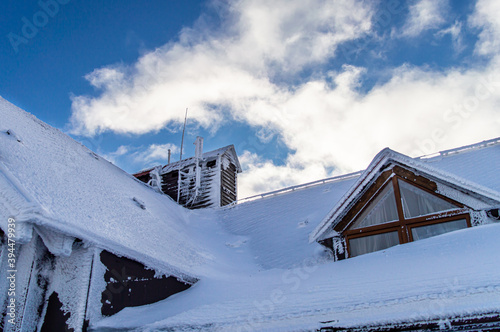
point(198, 152)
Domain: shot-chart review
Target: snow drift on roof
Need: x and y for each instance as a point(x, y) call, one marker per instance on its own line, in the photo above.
point(49, 179)
point(437, 278)
point(276, 228)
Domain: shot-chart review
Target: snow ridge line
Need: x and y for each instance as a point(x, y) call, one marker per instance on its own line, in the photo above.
point(462, 149)
point(296, 187)
point(444, 153)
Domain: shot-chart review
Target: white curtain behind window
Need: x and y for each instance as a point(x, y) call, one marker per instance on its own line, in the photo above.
point(424, 232)
point(380, 211)
point(371, 243)
point(417, 202)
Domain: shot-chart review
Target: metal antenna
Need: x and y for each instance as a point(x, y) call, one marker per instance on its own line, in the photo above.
point(183, 130)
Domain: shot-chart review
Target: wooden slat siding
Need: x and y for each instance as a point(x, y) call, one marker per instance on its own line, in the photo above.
point(130, 284)
point(170, 183)
point(186, 186)
point(228, 184)
point(144, 178)
point(209, 176)
point(228, 176)
point(204, 198)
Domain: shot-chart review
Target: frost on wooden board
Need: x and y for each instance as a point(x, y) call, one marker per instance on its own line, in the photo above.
point(26, 287)
point(462, 197)
point(339, 246)
point(225, 162)
point(97, 287)
point(41, 274)
point(198, 185)
point(71, 282)
point(479, 218)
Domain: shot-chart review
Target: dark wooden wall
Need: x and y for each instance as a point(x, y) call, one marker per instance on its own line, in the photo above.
point(228, 185)
point(55, 318)
point(210, 194)
point(130, 284)
point(170, 183)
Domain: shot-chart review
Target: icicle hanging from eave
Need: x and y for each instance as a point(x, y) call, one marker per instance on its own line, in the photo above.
point(156, 180)
point(198, 158)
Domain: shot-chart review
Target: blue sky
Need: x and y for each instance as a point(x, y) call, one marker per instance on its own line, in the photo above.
point(303, 89)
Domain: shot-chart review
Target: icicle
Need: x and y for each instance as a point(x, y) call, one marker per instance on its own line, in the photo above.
point(156, 179)
point(198, 158)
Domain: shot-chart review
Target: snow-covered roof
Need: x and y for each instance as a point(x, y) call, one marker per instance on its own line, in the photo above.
point(280, 282)
point(276, 228)
point(478, 163)
point(473, 170)
point(455, 274)
point(49, 180)
point(257, 269)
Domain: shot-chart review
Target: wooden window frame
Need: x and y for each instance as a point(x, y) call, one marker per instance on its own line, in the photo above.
point(404, 225)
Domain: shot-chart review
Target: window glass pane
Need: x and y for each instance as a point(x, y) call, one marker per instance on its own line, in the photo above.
point(371, 243)
point(417, 202)
point(380, 211)
point(424, 232)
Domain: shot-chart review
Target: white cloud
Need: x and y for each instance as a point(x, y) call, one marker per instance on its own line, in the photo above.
point(145, 157)
point(455, 31)
point(113, 156)
point(122, 149)
point(487, 17)
point(261, 175)
point(325, 121)
point(425, 15)
point(333, 126)
point(155, 153)
point(207, 71)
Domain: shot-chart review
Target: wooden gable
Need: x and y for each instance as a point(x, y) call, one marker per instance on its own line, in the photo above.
point(399, 206)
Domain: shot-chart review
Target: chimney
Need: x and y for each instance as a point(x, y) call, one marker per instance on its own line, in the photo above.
point(198, 152)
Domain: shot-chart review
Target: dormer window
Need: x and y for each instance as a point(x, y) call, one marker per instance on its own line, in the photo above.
point(399, 212)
